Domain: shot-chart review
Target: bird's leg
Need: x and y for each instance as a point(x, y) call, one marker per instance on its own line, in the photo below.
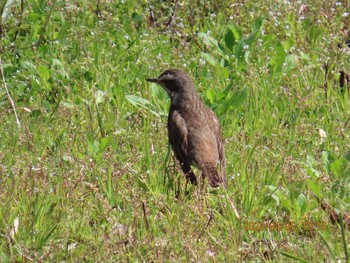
point(191, 177)
point(186, 168)
point(203, 182)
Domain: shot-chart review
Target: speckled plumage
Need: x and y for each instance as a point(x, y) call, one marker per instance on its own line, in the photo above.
point(193, 129)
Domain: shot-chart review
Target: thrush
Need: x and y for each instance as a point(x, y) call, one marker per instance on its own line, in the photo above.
point(193, 129)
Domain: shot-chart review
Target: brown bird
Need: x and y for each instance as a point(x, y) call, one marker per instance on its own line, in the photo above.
point(193, 129)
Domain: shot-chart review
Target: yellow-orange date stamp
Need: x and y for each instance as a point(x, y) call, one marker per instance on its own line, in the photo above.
point(289, 226)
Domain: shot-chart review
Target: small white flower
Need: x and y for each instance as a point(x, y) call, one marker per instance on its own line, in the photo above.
point(14, 229)
point(72, 246)
point(323, 135)
point(210, 253)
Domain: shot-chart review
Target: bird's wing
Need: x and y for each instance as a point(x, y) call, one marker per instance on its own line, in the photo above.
point(178, 135)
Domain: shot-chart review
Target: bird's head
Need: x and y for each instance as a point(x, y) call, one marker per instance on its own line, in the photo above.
point(174, 81)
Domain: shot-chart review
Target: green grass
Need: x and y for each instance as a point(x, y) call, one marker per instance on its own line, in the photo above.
point(89, 175)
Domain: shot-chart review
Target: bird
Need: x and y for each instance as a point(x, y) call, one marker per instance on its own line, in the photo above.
point(194, 131)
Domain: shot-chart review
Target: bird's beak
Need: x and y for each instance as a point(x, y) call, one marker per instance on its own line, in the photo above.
point(153, 80)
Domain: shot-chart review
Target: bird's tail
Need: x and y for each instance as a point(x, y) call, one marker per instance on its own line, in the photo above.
point(210, 171)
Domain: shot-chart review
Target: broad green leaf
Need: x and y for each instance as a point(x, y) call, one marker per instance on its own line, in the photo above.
point(236, 32)
point(239, 97)
point(43, 72)
point(339, 166)
point(93, 147)
point(286, 204)
point(315, 187)
point(288, 44)
point(258, 23)
point(137, 101)
point(252, 37)
point(326, 163)
point(208, 40)
point(211, 60)
point(276, 198)
point(239, 51)
point(28, 65)
point(290, 63)
point(302, 203)
point(278, 58)
point(141, 102)
point(212, 43)
point(229, 39)
point(61, 70)
point(210, 95)
point(104, 144)
point(309, 166)
point(158, 92)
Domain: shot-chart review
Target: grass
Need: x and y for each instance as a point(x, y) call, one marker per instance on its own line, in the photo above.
point(88, 176)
